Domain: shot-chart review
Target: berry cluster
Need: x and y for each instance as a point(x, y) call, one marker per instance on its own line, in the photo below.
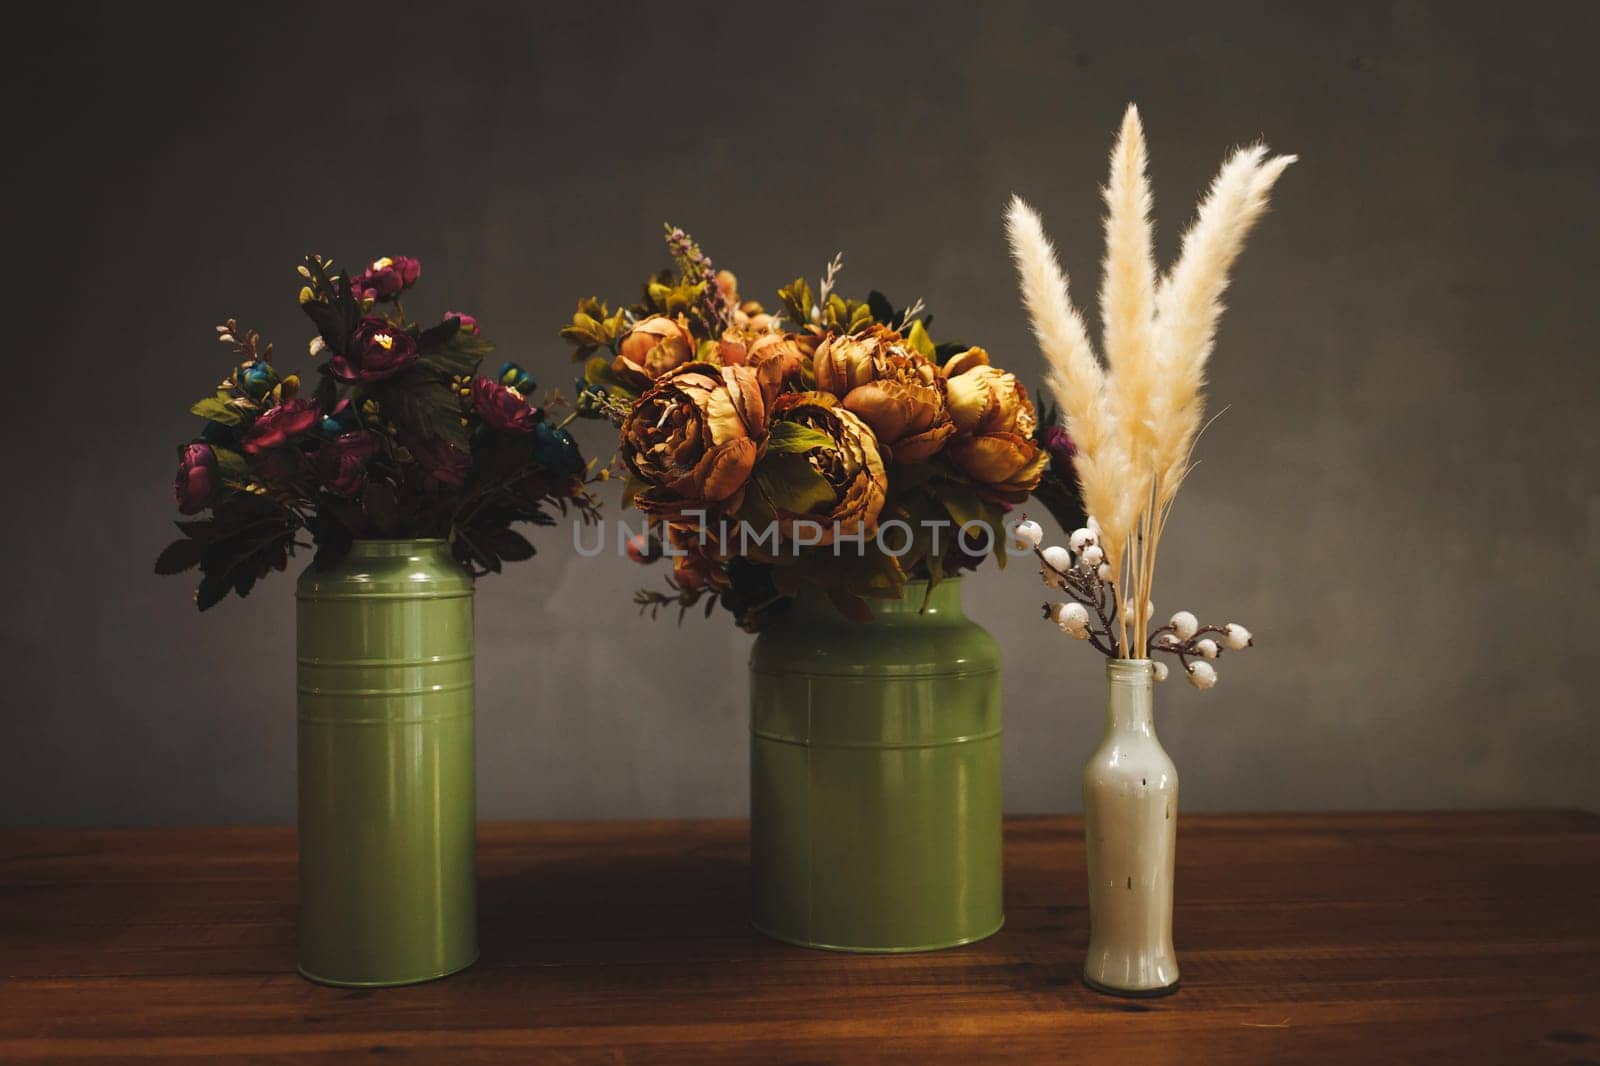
point(1081, 571)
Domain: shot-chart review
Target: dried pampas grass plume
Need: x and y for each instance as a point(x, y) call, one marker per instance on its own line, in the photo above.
point(1074, 373)
point(1135, 418)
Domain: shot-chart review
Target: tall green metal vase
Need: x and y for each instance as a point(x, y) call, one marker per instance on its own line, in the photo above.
point(875, 776)
point(387, 766)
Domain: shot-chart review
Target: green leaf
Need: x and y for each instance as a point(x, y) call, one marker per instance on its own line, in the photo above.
point(790, 483)
point(797, 302)
point(434, 337)
point(202, 529)
point(883, 311)
point(330, 324)
point(851, 606)
point(213, 589)
point(920, 341)
point(179, 556)
point(860, 318)
point(216, 409)
point(445, 348)
point(509, 545)
point(327, 392)
point(336, 312)
point(231, 465)
point(788, 438)
point(964, 506)
point(446, 361)
point(418, 401)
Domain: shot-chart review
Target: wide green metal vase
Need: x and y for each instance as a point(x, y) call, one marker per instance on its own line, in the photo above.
point(387, 766)
point(875, 776)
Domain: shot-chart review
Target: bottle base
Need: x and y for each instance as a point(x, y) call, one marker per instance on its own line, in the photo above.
point(1131, 993)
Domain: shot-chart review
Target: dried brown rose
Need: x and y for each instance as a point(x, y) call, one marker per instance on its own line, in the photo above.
point(694, 435)
point(850, 465)
point(894, 389)
point(995, 423)
point(652, 347)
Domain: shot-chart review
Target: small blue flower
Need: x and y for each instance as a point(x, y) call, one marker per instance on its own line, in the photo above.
point(342, 420)
point(513, 376)
point(556, 451)
point(255, 379)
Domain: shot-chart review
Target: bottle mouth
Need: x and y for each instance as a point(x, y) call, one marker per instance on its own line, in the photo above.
point(1130, 671)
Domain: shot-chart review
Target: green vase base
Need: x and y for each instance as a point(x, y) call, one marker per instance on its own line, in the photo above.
point(894, 949)
point(398, 982)
point(1131, 993)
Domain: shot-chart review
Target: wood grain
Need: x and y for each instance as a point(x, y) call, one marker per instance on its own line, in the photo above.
point(1470, 937)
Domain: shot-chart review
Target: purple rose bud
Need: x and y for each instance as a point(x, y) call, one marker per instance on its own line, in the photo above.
point(197, 476)
point(278, 425)
point(342, 463)
point(387, 278)
point(469, 325)
point(1059, 445)
point(501, 408)
point(378, 350)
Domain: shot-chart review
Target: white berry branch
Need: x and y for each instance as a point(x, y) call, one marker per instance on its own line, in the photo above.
point(1080, 570)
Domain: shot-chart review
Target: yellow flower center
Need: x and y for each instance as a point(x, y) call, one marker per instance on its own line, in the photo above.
point(382, 264)
point(384, 341)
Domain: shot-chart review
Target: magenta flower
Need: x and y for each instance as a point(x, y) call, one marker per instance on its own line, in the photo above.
point(504, 409)
point(197, 476)
point(378, 350)
point(278, 425)
point(343, 462)
point(443, 461)
point(386, 278)
point(276, 466)
point(469, 325)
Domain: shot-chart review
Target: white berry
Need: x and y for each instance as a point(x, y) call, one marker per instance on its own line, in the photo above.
point(1073, 618)
point(1237, 636)
point(1185, 625)
point(1082, 538)
point(1058, 558)
point(1104, 572)
point(1207, 648)
point(1093, 556)
point(1202, 675)
point(1027, 535)
point(1159, 669)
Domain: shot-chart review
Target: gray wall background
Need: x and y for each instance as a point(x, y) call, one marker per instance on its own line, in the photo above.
point(1401, 500)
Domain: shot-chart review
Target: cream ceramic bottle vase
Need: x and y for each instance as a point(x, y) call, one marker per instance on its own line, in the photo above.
point(1130, 810)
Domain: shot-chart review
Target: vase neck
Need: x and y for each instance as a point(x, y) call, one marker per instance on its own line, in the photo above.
point(1130, 696)
point(916, 602)
point(403, 548)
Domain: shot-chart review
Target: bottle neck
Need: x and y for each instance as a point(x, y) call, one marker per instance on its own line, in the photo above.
point(1130, 696)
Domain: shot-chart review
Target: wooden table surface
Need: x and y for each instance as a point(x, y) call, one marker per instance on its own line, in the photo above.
point(1303, 938)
